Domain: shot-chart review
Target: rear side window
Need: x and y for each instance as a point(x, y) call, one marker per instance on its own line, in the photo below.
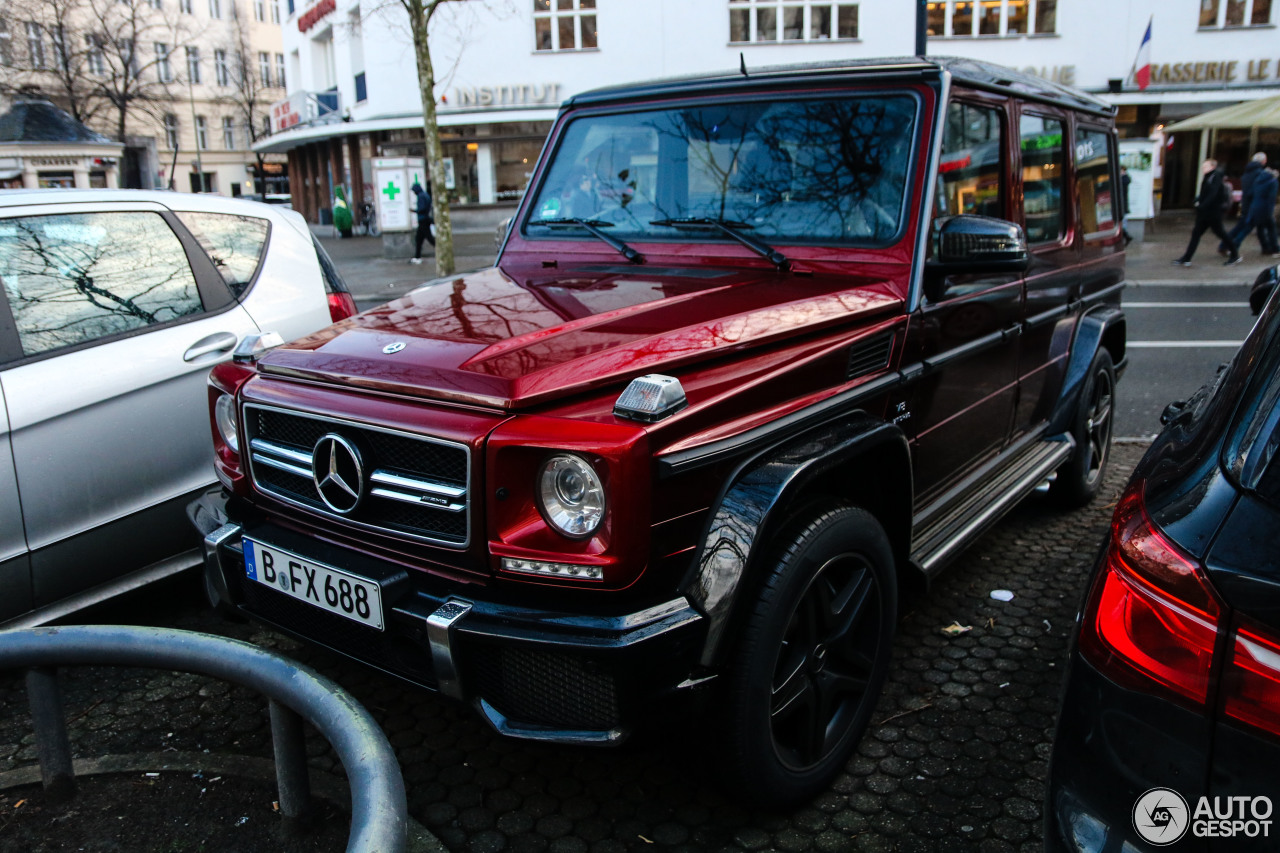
point(969, 174)
point(333, 281)
point(1044, 165)
point(1093, 171)
point(234, 244)
point(77, 277)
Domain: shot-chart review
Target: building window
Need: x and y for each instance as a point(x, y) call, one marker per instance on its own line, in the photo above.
point(94, 55)
point(1214, 14)
point(58, 38)
point(171, 131)
point(164, 71)
point(275, 12)
point(35, 45)
point(221, 73)
point(154, 4)
point(264, 68)
point(202, 133)
point(193, 64)
point(185, 6)
point(259, 10)
point(280, 70)
point(6, 43)
point(229, 133)
point(215, 8)
point(564, 25)
point(967, 18)
point(128, 53)
point(774, 20)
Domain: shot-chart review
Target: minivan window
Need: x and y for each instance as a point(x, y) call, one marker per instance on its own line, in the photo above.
point(819, 170)
point(77, 277)
point(970, 179)
point(234, 244)
point(1044, 166)
point(1093, 173)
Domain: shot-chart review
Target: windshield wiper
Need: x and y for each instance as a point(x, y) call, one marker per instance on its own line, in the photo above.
point(734, 229)
point(594, 226)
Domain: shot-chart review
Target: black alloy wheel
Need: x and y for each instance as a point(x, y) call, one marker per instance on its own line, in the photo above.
point(1078, 480)
point(826, 661)
point(812, 658)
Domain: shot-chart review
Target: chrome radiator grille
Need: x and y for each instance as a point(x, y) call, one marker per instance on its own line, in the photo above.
point(399, 483)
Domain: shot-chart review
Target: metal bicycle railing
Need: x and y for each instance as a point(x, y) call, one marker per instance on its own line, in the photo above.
point(379, 814)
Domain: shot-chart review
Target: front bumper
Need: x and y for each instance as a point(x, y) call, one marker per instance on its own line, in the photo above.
point(534, 674)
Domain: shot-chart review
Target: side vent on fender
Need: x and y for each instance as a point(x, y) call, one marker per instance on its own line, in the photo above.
point(869, 354)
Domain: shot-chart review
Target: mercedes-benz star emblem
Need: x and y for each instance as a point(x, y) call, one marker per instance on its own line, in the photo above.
point(392, 349)
point(338, 473)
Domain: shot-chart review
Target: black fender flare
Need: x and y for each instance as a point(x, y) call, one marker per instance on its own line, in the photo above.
point(757, 499)
point(1093, 331)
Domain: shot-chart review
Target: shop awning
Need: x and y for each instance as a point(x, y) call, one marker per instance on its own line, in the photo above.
point(1263, 112)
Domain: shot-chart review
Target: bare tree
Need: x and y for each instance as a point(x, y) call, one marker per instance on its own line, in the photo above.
point(420, 14)
point(59, 64)
point(140, 44)
point(250, 97)
point(104, 61)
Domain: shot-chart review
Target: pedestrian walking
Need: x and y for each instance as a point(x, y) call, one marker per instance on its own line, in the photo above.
point(1255, 167)
point(1211, 204)
point(426, 217)
point(1263, 210)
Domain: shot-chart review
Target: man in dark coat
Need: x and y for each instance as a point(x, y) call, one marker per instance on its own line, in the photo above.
point(426, 215)
point(1211, 204)
point(1262, 210)
point(1251, 171)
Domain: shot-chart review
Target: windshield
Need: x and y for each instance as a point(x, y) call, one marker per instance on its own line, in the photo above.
point(799, 171)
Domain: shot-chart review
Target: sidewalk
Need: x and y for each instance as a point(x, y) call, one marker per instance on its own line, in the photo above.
point(1150, 262)
point(374, 279)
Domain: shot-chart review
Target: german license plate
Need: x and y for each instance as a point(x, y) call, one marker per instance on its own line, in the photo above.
point(351, 596)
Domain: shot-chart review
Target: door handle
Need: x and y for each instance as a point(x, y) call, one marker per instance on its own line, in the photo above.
point(218, 342)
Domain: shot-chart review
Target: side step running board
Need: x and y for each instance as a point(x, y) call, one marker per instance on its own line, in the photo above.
point(940, 539)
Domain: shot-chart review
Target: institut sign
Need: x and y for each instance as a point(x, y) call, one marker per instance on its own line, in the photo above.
point(515, 95)
point(1231, 71)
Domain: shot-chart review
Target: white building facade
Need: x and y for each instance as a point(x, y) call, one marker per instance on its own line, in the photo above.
point(504, 66)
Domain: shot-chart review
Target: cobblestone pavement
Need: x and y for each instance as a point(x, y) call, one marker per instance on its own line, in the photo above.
point(955, 758)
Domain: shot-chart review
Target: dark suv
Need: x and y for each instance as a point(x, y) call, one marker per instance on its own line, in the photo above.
point(759, 353)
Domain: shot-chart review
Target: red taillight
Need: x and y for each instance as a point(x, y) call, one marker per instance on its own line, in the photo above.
point(341, 306)
point(1152, 619)
point(1251, 681)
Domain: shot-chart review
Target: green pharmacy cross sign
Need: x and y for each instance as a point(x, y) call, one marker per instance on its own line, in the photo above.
point(391, 190)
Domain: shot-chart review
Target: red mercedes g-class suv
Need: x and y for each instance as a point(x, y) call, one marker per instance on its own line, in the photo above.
point(760, 351)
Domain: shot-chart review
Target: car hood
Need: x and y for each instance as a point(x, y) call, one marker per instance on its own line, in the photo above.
point(506, 340)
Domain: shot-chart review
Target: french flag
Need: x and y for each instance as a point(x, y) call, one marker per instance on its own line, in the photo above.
point(1142, 65)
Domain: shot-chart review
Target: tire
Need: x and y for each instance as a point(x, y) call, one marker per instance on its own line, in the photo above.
point(1079, 479)
point(811, 659)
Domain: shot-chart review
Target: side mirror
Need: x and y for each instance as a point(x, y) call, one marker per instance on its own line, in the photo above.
point(977, 244)
point(1262, 287)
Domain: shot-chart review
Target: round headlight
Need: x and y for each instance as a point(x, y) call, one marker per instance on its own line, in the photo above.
point(572, 496)
point(224, 415)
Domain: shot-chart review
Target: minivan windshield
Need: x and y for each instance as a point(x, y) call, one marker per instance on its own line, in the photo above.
point(812, 170)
